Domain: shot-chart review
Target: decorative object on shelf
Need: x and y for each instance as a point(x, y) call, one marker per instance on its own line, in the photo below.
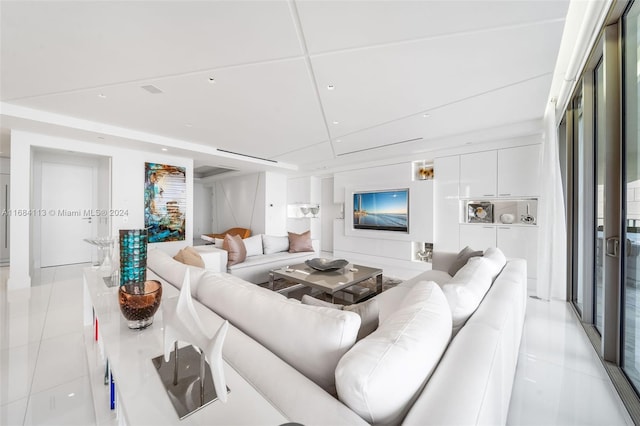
point(314, 210)
point(103, 245)
point(425, 254)
point(193, 376)
point(165, 202)
point(320, 264)
point(133, 256)
point(528, 218)
point(507, 218)
point(480, 213)
point(139, 302)
point(425, 172)
point(304, 210)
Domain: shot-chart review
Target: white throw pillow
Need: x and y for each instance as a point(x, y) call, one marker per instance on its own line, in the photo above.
point(274, 244)
point(253, 245)
point(381, 375)
point(218, 242)
point(467, 288)
point(496, 259)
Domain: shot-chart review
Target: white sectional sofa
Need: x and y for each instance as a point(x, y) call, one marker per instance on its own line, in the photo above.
point(272, 253)
point(306, 360)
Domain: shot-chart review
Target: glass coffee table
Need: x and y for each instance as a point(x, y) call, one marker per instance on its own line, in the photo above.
point(329, 282)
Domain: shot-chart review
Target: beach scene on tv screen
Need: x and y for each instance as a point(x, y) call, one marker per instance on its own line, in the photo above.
point(381, 210)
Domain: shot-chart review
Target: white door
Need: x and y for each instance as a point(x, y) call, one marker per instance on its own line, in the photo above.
point(4, 219)
point(67, 196)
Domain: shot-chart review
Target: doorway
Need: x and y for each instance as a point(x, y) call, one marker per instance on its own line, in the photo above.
point(69, 188)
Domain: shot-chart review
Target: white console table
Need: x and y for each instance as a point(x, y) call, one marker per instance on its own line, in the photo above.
point(141, 398)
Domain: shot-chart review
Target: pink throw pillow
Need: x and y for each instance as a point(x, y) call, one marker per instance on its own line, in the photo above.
point(236, 251)
point(300, 242)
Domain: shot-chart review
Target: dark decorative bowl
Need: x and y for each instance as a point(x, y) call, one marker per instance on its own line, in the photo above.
point(320, 264)
point(139, 302)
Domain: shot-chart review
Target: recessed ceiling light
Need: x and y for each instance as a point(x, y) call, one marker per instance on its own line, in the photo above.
point(212, 80)
point(102, 95)
point(338, 140)
point(165, 149)
point(331, 87)
point(426, 115)
point(101, 137)
point(189, 125)
point(336, 122)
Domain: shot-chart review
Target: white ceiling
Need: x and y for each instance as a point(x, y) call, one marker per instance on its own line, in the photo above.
point(474, 67)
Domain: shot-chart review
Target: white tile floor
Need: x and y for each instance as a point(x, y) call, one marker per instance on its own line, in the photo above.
point(43, 369)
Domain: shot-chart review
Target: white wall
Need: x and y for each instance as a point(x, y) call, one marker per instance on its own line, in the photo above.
point(382, 247)
point(202, 209)
point(239, 202)
point(5, 165)
point(329, 211)
point(127, 192)
point(304, 190)
point(275, 204)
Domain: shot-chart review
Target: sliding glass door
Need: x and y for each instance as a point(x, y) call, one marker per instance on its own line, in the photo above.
point(631, 292)
point(599, 194)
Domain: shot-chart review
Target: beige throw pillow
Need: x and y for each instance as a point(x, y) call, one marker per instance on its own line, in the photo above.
point(189, 256)
point(300, 242)
point(236, 251)
point(192, 257)
point(368, 311)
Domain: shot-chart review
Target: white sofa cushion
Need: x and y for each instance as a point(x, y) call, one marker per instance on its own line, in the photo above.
point(172, 271)
point(380, 377)
point(274, 244)
point(496, 259)
point(253, 245)
point(467, 288)
point(368, 311)
point(309, 338)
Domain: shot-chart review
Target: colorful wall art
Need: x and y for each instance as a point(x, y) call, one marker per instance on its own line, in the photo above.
point(165, 202)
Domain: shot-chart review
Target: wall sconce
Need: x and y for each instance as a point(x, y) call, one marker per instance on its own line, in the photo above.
point(313, 209)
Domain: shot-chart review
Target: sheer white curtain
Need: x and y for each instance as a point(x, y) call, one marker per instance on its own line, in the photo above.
point(552, 232)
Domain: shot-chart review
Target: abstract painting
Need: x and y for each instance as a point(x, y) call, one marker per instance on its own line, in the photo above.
point(165, 202)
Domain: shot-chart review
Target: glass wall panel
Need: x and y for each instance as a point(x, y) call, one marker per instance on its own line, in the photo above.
point(631, 320)
point(579, 155)
point(599, 194)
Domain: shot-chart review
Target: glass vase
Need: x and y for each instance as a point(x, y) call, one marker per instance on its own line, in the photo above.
point(133, 256)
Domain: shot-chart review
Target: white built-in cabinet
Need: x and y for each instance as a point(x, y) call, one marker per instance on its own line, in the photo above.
point(494, 176)
point(521, 242)
point(478, 174)
point(478, 237)
point(509, 172)
point(518, 171)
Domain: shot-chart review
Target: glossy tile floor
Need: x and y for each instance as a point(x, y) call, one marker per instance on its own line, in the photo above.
point(43, 367)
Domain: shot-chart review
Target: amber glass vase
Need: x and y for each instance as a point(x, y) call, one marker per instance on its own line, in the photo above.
point(139, 302)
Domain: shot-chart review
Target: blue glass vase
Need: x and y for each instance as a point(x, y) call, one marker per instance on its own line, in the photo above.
point(133, 256)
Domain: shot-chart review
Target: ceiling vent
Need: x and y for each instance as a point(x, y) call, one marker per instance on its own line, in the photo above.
point(380, 146)
point(246, 155)
point(151, 89)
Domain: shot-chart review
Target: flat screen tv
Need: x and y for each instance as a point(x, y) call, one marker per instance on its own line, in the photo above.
point(381, 210)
